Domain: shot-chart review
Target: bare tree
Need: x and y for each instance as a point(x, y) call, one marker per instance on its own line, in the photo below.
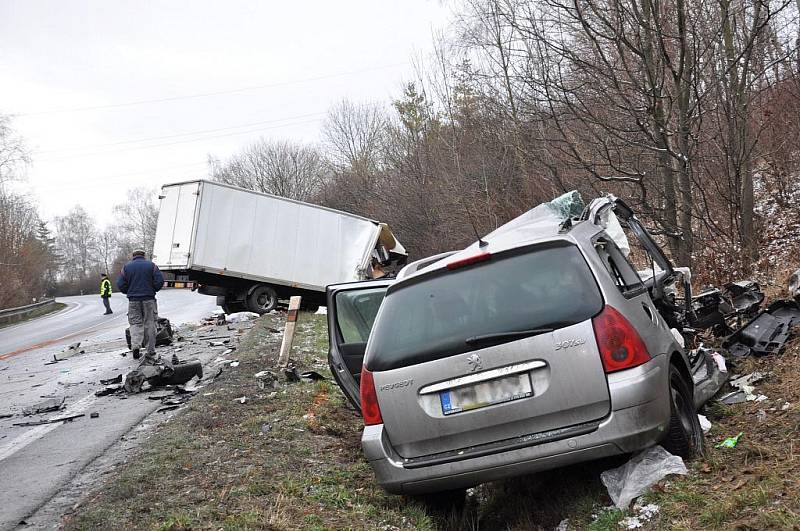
point(13, 153)
point(355, 135)
point(281, 168)
point(137, 219)
point(76, 240)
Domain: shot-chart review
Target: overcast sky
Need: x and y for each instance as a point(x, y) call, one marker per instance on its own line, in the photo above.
point(110, 95)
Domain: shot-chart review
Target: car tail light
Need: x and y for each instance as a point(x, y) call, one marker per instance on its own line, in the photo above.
point(620, 345)
point(464, 262)
point(369, 399)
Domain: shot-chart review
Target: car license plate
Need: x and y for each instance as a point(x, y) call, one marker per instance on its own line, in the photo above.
point(485, 394)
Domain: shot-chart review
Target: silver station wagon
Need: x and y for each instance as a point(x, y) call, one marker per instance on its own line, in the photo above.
point(541, 345)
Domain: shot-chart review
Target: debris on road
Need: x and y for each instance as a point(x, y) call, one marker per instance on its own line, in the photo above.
point(165, 373)
point(644, 470)
point(705, 424)
point(110, 390)
point(241, 317)
point(115, 380)
point(164, 333)
point(49, 421)
point(51, 404)
point(94, 415)
point(730, 442)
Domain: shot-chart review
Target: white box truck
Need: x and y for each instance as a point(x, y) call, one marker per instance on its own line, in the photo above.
point(251, 249)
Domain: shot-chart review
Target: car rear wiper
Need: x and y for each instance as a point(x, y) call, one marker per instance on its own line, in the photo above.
point(511, 334)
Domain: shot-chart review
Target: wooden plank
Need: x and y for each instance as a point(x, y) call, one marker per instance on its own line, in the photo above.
point(288, 332)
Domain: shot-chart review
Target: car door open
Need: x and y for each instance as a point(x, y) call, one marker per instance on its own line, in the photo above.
point(352, 308)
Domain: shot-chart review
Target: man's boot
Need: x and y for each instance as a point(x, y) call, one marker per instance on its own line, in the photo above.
point(136, 354)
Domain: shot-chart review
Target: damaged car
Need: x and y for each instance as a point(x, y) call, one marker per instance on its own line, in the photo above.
point(536, 347)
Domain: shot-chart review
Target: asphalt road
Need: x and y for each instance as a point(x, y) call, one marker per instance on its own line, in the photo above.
point(35, 462)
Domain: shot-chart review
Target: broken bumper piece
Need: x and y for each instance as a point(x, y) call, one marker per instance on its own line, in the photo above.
point(767, 332)
point(164, 373)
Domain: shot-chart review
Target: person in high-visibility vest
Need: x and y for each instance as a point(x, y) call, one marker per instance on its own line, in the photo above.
point(105, 293)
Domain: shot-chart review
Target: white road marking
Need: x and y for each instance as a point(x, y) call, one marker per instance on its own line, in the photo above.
point(37, 432)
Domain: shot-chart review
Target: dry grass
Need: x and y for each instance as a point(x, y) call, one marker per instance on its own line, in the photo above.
point(216, 466)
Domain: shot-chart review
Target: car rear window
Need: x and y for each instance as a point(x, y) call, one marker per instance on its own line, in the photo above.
point(541, 287)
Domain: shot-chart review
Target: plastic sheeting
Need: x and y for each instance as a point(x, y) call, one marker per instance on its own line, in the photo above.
point(645, 469)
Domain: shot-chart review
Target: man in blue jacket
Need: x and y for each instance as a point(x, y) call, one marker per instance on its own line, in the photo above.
point(140, 279)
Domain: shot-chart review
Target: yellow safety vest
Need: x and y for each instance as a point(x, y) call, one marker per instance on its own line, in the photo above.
point(105, 288)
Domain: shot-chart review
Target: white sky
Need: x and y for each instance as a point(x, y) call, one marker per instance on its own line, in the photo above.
point(80, 77)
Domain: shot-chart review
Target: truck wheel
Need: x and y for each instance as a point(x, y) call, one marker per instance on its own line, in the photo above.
point(262, 299)
point(684, 435)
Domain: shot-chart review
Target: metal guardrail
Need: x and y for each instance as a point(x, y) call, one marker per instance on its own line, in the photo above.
point(12, 315)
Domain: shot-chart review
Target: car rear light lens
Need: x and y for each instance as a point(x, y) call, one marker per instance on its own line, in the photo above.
point(464, 262)
point(369, 399)
point(620, 345)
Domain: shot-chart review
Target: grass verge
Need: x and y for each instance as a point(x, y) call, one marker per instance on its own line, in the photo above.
point(289, 458)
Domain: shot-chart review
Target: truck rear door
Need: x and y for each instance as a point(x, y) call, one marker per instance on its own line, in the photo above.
point(352, 308)
point(175, 229)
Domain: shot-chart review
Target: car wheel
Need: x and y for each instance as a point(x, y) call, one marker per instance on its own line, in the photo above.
point(684, 436)
point(262, 299)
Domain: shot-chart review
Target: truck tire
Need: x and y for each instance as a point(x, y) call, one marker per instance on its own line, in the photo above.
point(262, 299)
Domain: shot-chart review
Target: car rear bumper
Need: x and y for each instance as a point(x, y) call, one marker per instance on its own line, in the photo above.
point(639, 417)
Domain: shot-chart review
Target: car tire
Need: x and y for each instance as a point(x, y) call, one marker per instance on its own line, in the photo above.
point(262, 299)
point(684, 435)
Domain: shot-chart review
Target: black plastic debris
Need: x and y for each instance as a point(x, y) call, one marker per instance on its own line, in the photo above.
point(49, 421)
point(51, 404)
point(291, 373)
point(110, 390)
point(745, 296)
point(709, 308)
point(111, 381)
point(180, 374)
point(767, 332)
point(167, 408)
point(162, 374)
point(6, 415)
point(164, 333)
point(94, 415)
point(313, 376)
